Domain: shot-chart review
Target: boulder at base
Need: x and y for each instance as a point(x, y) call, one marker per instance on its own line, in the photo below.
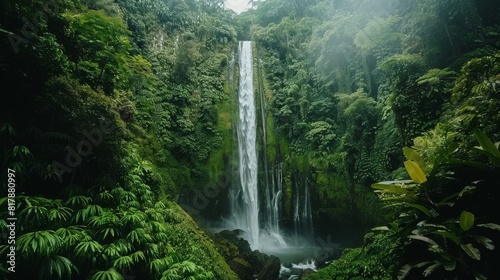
point(271, 269)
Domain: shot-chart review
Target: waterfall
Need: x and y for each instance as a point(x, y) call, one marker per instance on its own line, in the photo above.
point(302, 212)
point(307, 224)
point(262, 230)
point(277, 191)
point(244, 202)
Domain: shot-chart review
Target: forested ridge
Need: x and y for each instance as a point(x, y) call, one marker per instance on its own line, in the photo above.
point(113, 112)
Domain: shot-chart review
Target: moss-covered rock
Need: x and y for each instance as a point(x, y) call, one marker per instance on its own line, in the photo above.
point(191, 243)
point(236, 250)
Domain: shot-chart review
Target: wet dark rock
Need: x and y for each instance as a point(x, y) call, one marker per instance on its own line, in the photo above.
point(297, 271)
point(233, 236)
point(242, 260)
point(257, 260)
point(286, 274)
point(307, 272)
point(242, 268)
point(271, 269)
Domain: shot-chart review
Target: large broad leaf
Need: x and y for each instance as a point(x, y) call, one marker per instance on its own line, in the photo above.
point(415, 172)
point(486, 143)
point(428, 271)
point(390, 188)
point(479, 276)
point(382, 228)
point(450, 266)
point(410, 154)
point(110, 274)
point(448, 235)
point(490, 226)
point(488, 147)
point(57, 267)
point(494, 159)
point(466, 220)
point(404, 271)
point(423, 238)
point(422, 208)
point(485, 241)
point(471, 251)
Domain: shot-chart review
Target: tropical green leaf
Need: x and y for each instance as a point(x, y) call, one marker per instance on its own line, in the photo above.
point(108, 232)
point(423, 238)
point(8, 129)
point(123, 246)
point(490, 226)
point(105, 197)
point(133, 219)
point(159, 265)
point(422, 208)
point(160, 205)
point(390, 188)
point(88, 249)
point(42, 243)
point(448, 235)
point(416, 174)
point(139, 236)
point(466, 220)
point(486, 242)
point(138, 256)
point(412, 155)
point(450, 266)
point(60, 214)
point(479, 276)
point(105, 219)
point(487, 144)
point(86, 213)
point(34, 214)
point(429, 270)
point(110, 274)
point(56, 267)
point(152, 250)
point(71, 235)
point(110, 251)
point(472, 251)
point(382, 228)
point(404, 271)
point(123, 263)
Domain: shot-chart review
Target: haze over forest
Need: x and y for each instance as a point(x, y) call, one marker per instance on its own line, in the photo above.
point(271, 139)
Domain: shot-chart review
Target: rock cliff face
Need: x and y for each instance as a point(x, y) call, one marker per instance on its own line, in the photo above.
point(243, 261)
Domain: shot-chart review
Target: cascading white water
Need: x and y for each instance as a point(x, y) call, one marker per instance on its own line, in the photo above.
point(245, 212)
point(302, 212)
point(277, 191)
point(244, 195)
point(307, 223)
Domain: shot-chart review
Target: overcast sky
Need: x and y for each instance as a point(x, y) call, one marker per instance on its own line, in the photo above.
point(237, 5)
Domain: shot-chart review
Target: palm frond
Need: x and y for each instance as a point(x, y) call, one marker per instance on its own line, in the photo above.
point(123, 263)
point(41, 243)
point(56, 267)
point(78, 201)
point(110, 274)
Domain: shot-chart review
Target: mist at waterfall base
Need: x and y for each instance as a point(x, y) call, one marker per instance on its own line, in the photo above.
point(260, 220)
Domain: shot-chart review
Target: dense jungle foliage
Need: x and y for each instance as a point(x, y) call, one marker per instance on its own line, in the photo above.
point(111, 109)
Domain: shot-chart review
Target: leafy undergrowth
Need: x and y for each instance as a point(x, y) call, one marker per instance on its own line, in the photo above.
point(110, 232)
point(375, 260)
